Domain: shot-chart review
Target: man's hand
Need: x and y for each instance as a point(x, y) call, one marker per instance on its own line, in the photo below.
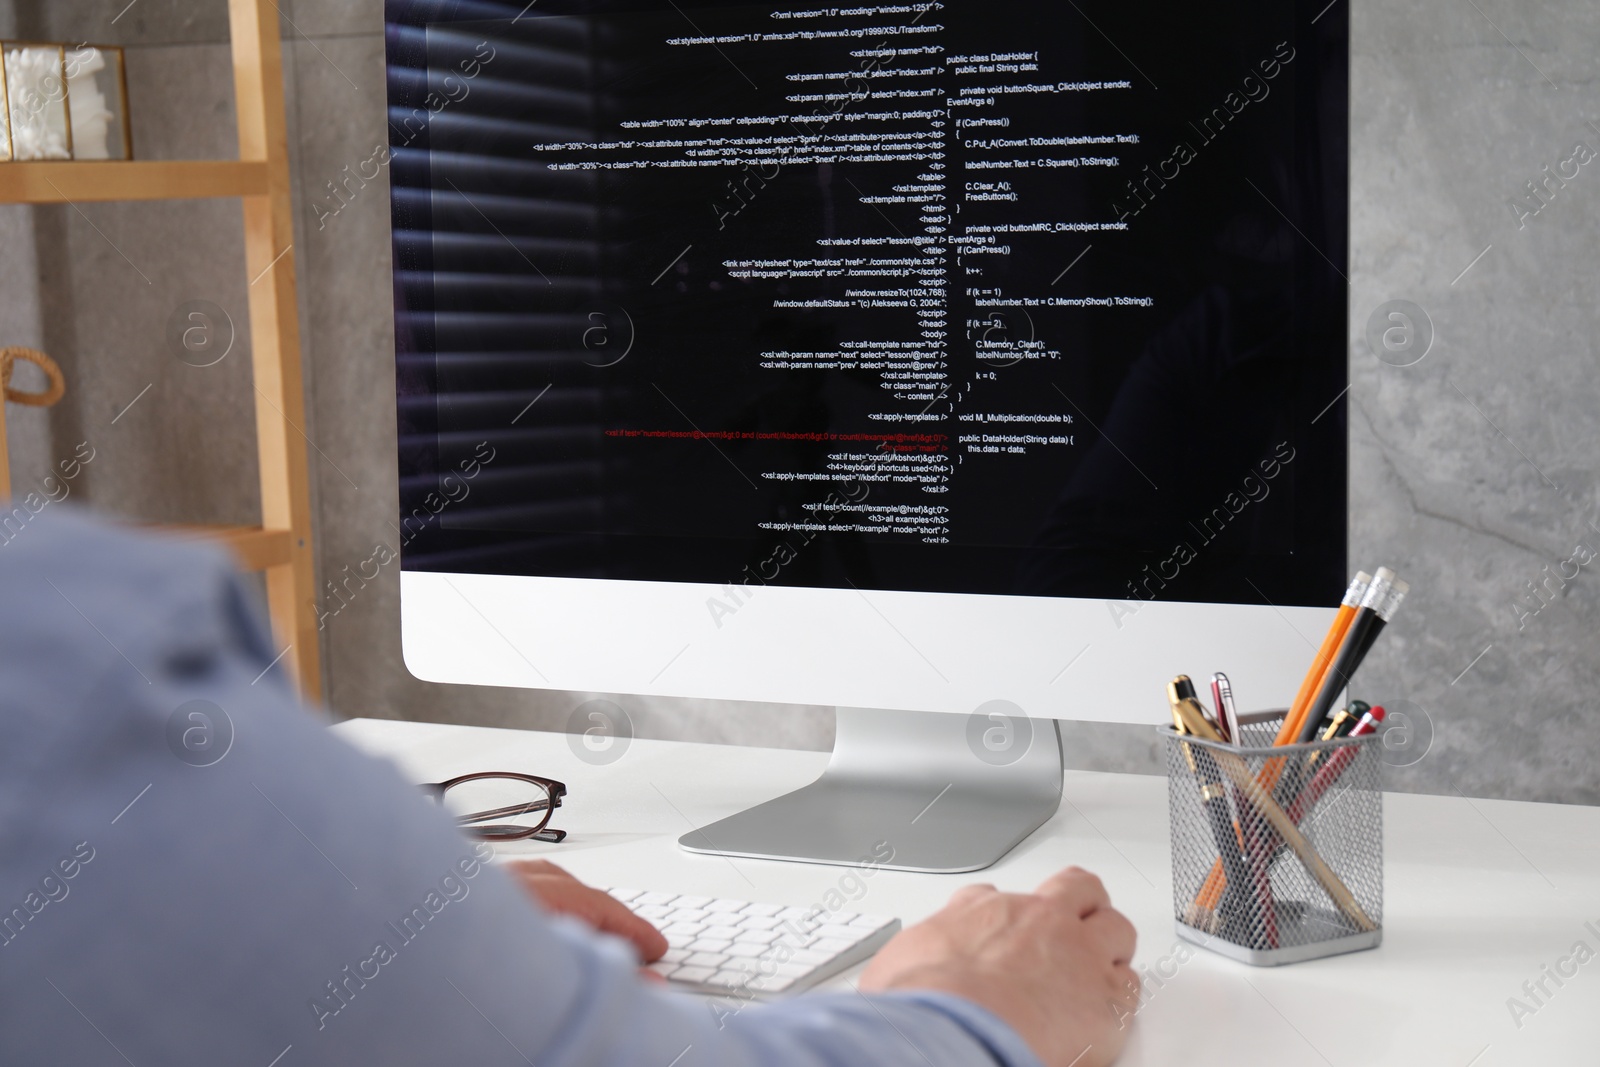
point(1054, 964)
point(560, 892)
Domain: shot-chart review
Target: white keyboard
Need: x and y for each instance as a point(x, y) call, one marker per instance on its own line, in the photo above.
point(754, 950)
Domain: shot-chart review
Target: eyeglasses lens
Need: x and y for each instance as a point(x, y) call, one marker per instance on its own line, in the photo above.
point(499, 807)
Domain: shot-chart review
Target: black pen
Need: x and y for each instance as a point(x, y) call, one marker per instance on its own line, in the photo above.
point(1214, 799)
point(1242, 923)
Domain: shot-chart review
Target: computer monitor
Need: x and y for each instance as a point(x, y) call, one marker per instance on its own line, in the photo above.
point(963, 366)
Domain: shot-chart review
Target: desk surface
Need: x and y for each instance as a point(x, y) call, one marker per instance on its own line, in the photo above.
point(1481, 896)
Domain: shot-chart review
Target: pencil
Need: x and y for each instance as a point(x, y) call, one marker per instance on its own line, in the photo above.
point(1290, 729)
point(1382, 597)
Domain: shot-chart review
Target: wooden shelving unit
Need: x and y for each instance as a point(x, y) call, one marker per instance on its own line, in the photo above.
point(60, 183)
point(282, 546)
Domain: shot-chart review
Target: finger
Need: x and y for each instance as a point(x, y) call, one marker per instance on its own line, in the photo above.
point(968, 893)
point(1112, 934)
point(1125, 984)
point(1077, 888)
point(539, 868)
point(609, 915)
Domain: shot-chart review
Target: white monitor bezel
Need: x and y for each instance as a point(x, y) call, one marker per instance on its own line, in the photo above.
point(1060, 658)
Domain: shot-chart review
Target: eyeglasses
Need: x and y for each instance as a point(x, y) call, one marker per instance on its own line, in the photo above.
point(501, 805)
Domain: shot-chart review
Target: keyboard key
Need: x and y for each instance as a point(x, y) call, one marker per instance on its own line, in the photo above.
point(654, 898)
point(747, 950)
point(793, 914)
point(679, 929)
point(663, 968)
point(627, 896)
point(757, 922)
point(709, 944)
point(692, 902)
point(721, 933)
point(675, 955)
point(693, 974)
point(728, 980)
point(689, 915)
point(756, 937)
point(842, 918)
point(706, 959)
point(762, 910)
point(728, 906)
point(650, 911)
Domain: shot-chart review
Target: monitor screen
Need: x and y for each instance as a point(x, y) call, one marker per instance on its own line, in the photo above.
point(1002, 298)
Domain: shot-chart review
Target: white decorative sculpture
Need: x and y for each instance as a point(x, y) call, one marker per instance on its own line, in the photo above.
point(91, 119)
point(36, 104)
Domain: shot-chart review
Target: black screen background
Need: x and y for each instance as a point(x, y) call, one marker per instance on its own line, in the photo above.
point(501, 266)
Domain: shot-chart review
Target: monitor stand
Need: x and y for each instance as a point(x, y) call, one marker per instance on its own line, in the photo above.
point(908, 791)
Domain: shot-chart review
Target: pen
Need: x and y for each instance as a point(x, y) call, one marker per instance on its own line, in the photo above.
point(1178, 690)
point(1221, 720)
point(1257, 842)
point(1324, 779)
point(1346, 722)
point(1357, 708)
point(1202, 912)
point(1210, 894)
point(1214, 799)
point(1227, 712)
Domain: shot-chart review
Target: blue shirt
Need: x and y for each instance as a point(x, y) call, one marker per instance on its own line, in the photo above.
point(243, 888)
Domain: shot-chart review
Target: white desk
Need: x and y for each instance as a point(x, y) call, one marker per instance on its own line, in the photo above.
point(1480, 895)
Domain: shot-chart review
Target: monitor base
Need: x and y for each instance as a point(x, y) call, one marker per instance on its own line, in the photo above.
point(907, 791)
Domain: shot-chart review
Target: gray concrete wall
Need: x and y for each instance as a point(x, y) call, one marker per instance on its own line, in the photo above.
point(1473, 470)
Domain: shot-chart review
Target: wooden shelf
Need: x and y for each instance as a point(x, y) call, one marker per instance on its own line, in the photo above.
point(256, 548)
point(57, 183)
point(281, 547)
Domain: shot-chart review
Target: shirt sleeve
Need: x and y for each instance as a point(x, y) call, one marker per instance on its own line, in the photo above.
point(193, 871)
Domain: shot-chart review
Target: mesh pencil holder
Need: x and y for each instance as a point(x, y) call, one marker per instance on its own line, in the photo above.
point(1277, 851)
